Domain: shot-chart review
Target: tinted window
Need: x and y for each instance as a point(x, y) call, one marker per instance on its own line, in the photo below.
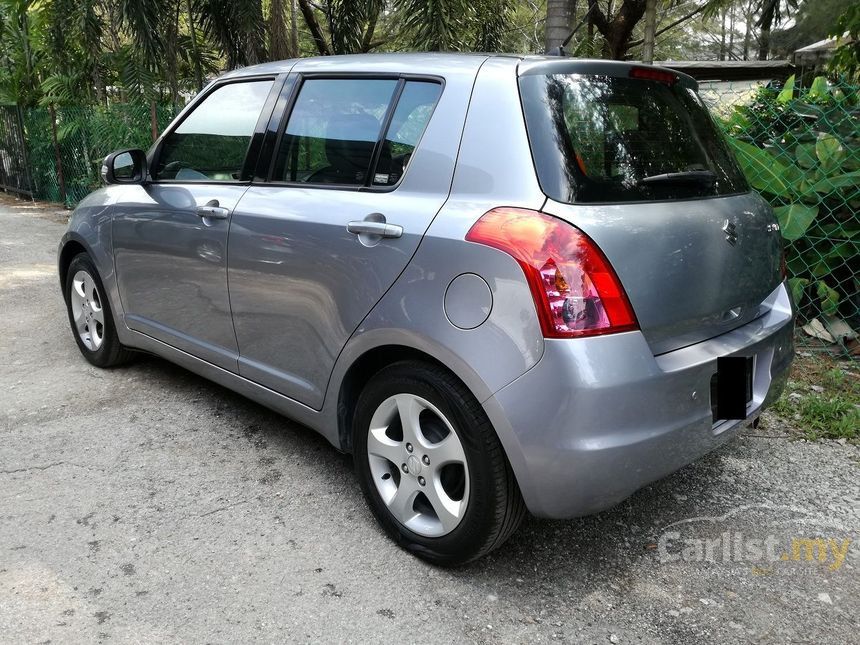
point(332, 131)
point(609, 139)
point(211, 143)
point(414, 108)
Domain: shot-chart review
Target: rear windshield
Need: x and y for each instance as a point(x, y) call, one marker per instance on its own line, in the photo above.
point(613, 139)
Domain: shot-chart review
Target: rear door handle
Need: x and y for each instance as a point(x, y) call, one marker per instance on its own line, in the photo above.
point(369, 227)
point(211, 210)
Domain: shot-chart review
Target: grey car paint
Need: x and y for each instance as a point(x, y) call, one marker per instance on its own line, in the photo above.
point(171, 265)
point(616, 418)
point(554, 403)
point(297, 302)
point(686, 282)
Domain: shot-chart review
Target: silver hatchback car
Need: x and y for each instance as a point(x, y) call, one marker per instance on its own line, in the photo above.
point(502, 283)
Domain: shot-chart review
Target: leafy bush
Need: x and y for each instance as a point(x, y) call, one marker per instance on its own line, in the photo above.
point(801, 150)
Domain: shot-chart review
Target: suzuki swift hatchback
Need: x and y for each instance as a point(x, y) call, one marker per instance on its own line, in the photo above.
point(502, 283)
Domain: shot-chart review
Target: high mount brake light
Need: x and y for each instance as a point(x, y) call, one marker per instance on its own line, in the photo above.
point(575, 291)
point(651, 74)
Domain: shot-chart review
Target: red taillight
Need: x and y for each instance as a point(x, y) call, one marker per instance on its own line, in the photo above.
point(576, 292)
point(651, 74)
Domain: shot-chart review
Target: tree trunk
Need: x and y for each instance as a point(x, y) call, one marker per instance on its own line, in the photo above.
point(748, 26)
point(732, 33)
point(279, 46)
point(153, 120)
point(98, 85)
point(195, 52)
point(764, 43)
point(617, 32)
point(294, 29)
point(559, 22)
point(315, 28)
point(722, 55)
point(367, 41)
point(650, 31)
point(765, 22)
point(590, 31)
point(172, 56)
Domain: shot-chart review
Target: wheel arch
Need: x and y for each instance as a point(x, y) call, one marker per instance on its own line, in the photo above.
point(71, 247)
point(371, 361)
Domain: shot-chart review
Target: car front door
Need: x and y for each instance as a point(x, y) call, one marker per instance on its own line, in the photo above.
point(170, 235)
point(351, 193)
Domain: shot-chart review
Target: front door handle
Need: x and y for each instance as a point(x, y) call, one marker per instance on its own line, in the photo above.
point(211, 210)
point(369, 227)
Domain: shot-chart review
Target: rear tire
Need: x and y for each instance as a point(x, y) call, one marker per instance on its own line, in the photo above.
point(90, 315)
point(439, 483)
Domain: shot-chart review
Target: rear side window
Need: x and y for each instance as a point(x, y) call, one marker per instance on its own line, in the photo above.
point(334, 134)
point(211, 142)
point(414, 109)
point(612, 139)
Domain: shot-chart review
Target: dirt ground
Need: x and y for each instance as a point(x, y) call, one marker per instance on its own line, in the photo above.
point(145, 504)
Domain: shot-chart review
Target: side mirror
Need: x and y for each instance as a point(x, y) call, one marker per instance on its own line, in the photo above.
point(124, 167)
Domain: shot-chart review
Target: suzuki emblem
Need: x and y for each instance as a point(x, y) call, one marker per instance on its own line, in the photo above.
point(731, 231)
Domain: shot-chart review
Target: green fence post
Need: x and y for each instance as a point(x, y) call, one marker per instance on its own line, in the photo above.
point(57, 159)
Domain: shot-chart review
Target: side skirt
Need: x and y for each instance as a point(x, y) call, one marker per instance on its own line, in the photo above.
point(314, 419)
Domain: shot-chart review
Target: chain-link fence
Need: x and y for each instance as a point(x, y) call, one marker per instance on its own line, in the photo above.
point(63, 147)
point(798, 146)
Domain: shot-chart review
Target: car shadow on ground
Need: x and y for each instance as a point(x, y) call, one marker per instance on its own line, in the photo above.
point(613, 540)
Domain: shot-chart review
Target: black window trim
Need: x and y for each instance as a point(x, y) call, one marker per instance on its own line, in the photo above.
point(254, 145)
point(293, 87)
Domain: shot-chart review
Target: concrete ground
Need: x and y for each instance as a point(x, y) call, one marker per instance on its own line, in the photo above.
point(145, 504)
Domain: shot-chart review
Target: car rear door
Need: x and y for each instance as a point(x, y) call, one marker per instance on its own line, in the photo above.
point(170, 235)
point(362, 164)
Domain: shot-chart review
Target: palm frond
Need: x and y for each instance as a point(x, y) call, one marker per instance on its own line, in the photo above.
point(436, 25)
point(142, 19)
point(236, 27)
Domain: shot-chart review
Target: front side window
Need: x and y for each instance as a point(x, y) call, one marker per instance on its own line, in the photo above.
point(614, 139)
point(211, 143)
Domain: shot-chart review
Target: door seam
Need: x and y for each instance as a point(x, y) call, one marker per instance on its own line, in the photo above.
point(227, 275)
point(420, 242)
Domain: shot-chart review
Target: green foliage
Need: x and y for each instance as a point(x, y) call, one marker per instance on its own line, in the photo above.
point(80, 52)
point(795, 220)
point(822, 398)
point(822, 418)
point(453, 25)
point(846, 59)
point(801, 149)
point(19, 59)
point(85, 136)
point(812, 22)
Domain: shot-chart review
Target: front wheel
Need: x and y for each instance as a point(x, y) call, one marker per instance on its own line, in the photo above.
point(431, 466)
point(90, 315)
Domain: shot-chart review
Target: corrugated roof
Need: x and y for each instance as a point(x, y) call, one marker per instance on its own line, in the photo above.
point(731, 70)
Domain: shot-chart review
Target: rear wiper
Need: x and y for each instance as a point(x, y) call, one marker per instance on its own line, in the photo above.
point(687, 177)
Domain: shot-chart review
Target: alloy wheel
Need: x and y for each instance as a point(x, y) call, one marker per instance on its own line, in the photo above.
point(418, 465)
point(87, 310)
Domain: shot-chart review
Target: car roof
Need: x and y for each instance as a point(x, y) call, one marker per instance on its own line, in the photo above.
point(442, 63)
point(417, 62)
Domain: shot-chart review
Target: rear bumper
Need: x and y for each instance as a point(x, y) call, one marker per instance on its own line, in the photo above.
point(596, 419)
